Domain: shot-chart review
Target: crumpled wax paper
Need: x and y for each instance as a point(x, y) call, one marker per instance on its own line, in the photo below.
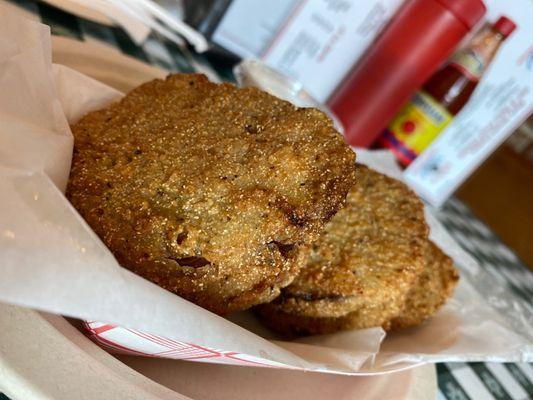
point(51, 260)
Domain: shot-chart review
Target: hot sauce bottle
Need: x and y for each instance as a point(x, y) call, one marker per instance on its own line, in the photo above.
point(432, 108)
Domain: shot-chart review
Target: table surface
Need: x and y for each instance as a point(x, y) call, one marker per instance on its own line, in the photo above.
point(456, 380)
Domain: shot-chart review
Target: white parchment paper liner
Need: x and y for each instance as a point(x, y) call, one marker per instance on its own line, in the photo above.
point(51, 260)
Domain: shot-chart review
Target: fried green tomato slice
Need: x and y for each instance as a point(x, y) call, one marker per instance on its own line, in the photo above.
point(212, 192)
point(362, 267)
point(433, 287)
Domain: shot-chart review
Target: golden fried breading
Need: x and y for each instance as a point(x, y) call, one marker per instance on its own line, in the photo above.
point(431, 290)
point(363, 265)
point(293, 325)
point(210, 191)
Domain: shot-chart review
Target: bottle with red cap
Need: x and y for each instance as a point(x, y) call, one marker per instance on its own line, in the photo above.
point(432, 108)
point(420, 37)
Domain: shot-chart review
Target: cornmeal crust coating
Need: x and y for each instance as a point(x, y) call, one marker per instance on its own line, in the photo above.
point(362, 267)
point(431, 290)
point(212, 192)
point(433, 287)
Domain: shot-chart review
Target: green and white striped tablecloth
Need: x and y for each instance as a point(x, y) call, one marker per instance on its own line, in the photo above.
point(457, 381)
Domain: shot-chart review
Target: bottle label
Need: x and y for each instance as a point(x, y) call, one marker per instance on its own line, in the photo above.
point(470, 63)
point(416, 126)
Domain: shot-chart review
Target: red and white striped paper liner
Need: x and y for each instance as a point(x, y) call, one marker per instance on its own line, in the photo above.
point(116, 339)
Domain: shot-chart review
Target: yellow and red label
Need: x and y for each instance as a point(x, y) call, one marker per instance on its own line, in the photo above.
point(416, 126)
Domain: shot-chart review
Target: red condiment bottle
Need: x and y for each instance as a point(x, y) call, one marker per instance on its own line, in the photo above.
point(432, 108)
point(419, 38)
